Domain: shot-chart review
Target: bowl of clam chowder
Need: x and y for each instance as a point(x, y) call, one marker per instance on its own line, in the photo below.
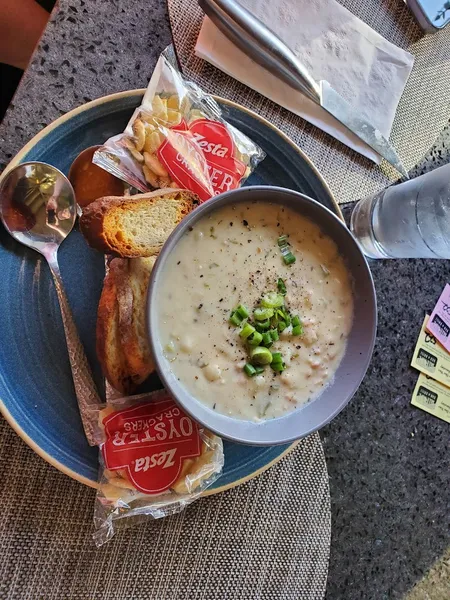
point(262, 315)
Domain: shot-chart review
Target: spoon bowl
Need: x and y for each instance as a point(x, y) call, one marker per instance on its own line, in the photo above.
point(38, 206)
point(38, 209)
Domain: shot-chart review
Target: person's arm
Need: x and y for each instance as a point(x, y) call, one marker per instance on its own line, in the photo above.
point(21, 25)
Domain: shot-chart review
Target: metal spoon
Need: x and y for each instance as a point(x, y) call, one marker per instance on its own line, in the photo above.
point(38, 208)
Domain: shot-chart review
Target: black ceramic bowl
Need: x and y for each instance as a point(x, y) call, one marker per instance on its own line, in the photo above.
point(315, 414)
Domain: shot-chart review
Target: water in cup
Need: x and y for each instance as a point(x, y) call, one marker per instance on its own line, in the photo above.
point(408, 220)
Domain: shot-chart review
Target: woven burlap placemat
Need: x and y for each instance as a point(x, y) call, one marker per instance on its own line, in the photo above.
point(266, 539)
point(422, 113)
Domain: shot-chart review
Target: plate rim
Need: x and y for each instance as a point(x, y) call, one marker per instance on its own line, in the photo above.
point(16, 160)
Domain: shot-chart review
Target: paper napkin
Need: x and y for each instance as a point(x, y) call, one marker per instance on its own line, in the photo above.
point(366, 69)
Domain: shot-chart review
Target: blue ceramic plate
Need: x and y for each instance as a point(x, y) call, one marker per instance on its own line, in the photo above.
point(36, 391)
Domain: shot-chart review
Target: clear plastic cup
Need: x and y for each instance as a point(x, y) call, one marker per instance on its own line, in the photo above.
point(408, 220)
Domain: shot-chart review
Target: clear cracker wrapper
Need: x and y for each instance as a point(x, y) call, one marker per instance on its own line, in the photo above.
point(154, 461)
point(178, 138)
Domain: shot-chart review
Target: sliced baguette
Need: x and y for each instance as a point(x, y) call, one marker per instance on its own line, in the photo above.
point(122, 346)
point(109, 348)
point(135, 226)
point(132, 298)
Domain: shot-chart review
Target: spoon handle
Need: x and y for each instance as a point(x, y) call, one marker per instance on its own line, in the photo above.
point(85, 388)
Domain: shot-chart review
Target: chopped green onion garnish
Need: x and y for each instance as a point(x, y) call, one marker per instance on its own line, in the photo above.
point(255, 338)
point(267, 340)
point(278, 367)
point(277, 357)
point(287, 319)
point(242, 311)
point(262, 325)
point(272, 300)
point(295, 321)
point(281, 287)
point(289, 258)
point(285, 249)
point(261, 314)
point(249, 370)
point(261, 356)
point(246, 331)
point(235, 319)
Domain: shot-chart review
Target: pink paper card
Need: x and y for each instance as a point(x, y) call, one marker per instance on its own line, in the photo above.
point(439, 322)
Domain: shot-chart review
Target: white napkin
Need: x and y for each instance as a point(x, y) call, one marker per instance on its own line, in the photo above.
point(367, 70)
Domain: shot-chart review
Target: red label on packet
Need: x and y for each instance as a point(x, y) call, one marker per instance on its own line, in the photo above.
point(185, 162)
point(150, 442)
point(214, 139)
point(200, 157)
point(439, 322)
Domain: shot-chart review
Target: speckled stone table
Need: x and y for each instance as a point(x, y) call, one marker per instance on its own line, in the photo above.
point(388, 462)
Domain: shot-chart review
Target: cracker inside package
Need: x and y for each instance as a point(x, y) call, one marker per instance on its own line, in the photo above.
point(178, 138)
point(154, 461)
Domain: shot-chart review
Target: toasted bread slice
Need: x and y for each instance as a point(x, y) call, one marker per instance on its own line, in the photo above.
point(109, 348)
point(132, 298)
point(138, 225)
point(122, 345)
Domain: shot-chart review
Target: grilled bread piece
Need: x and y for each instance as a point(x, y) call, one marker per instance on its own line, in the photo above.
point(122, 345)
point(132, 317)
point(109, 348)
point(135, 226)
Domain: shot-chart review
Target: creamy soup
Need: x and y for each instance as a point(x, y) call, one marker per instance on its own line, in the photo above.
point(232, 258)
